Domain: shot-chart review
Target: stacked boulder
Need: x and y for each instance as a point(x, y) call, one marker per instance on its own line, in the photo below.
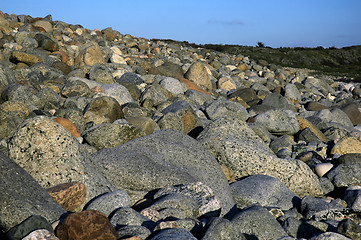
point(109, 136)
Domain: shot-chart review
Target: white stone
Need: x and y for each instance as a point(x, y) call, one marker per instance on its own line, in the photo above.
point(322, 168)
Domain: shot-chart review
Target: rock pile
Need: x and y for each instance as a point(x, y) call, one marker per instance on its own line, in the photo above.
point(110, 136)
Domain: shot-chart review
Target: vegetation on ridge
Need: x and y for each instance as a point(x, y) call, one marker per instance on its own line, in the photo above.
point(343, 63)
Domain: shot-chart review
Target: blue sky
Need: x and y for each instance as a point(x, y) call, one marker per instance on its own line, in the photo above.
point(277, 23)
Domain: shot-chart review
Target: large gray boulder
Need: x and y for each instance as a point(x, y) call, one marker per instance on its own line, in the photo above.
point(265, 190)
point(164, 158)
point(51, 154)
point(257, 223)
point(21, 196)
point(279, 122)
point(237, 146)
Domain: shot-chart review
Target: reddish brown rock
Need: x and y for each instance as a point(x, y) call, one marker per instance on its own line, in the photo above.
point(70, 126)
point(85, 225)
point(63, 56)
point(69, 195)
point(90, 56)
point(191, 85)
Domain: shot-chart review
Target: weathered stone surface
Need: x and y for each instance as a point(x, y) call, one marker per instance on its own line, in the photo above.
point(222, 229)
point(174, 234)
point(27, 58)
point(353, 113)
point(108, 135)
point(304, 123)
point(349, 228)
point(41, 234)
point(134, 232)
point(208, 203)
point(257, 222)
point(69, 195)
point(89, 56)
point(264, 190)
point(21, 196)
point(89, 224)
point(347, 145)
point(53, 156)
point(101, 73)
point(103, 110)
point(353, 197)
point(345, 175)
point(173, 85)
point(118, 92)
point(145, 124)
point(146, 163)
point(236, 146)
point(73, 88)
point(109, 202)
point(220, 108)
point(330, 236)
point(184, 111)
point(125, 216)
point(198, 74)
point(29, 225)
point(279, 122)
point(320, 209)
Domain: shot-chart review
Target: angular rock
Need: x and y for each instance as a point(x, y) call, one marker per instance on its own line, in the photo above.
point(257, 222)
point(22, 197)
point(198, 74)
point(304, 123)
point(53, 156)
point(108, 135)
point(69, 195)
point(279, 122)
point(46, 43)
point(161, 159)
point(264, 190)
point(89, 224)
point(236, 146)
point(108, 202)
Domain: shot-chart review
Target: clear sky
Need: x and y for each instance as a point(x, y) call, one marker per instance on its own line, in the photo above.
point(276, 23)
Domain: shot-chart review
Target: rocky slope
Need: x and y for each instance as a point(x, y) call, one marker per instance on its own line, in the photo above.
point(110, 136)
